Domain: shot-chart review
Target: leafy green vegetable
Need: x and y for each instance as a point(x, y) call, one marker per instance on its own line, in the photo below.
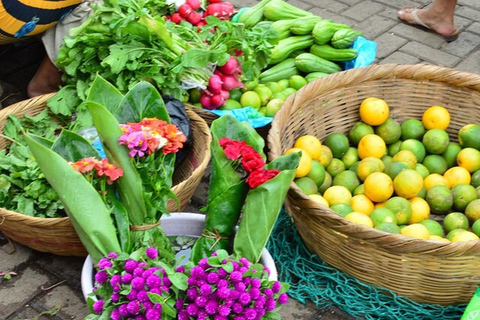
point(262, 207)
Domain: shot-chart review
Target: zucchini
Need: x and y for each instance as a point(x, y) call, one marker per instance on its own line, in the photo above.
point(308, 62)
point(330, 53)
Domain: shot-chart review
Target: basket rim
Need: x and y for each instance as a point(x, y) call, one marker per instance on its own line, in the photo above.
point(9, 214)
point(388, 241)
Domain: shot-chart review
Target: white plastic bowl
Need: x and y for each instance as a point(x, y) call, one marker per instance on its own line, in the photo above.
point(176, 224)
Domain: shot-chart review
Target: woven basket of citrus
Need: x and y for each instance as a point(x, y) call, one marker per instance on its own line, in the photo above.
point(388, 185)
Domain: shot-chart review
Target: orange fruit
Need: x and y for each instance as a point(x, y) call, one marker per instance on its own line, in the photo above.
point(361, 203)
point(310, 144)
point(371, 145)
point(374, 111)
point(469, 158)
point(408, 183)
point(337, 194)
point(378, 187)
point(359, 218)
point(420, 210)
point(435, 179)
point(457, 175)
point(305, 164)
point(416, 230)
point(436, 117)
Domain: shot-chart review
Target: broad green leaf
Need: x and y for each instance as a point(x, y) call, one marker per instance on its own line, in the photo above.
point(83, 204)
point(121, 221)
point(154, 297)
point(104, 93)
point(131, 188)
point(73, 147)
point(179, 280)
point(143, 101)
point(64, 101)
point(262, 207)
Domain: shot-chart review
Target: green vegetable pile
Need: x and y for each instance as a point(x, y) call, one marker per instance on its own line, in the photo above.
point(129, 41)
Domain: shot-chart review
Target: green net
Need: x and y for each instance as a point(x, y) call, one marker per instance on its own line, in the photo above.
point(312, 279)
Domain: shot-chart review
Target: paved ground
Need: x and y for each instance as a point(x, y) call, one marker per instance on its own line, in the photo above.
point(25, 297)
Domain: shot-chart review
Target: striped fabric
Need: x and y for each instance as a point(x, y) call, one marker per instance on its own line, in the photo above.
point(24, 18)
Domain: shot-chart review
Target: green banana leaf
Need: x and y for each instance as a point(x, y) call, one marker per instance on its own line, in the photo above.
point(103, 92)
point(73, 147)
point(261, 209)
point(227, 190)
point(83, 204)
point(130, 184)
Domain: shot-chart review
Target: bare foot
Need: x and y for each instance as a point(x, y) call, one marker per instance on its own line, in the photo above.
point(46, 80)
point(438, 22)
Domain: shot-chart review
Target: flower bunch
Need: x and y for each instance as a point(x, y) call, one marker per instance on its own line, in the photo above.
point(150, 135)
point(133, 288)
point(222, 288)
point(251, 161)
point(89, 166)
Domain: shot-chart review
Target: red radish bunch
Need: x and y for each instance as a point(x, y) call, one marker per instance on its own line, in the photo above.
point(224, 79)
point(189, 11)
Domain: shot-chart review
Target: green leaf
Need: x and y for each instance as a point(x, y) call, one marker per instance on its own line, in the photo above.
point(137, 254)
point(73, 147)
point(168, 310)
point(103, 92)
point(131, 188)
point(121, 220)
point(143, 101)
point(64, 101)
point(262, 207)
point(179, 280)
point(228, 267)
point(158, 28)
point(154, 297)
point(86, 209)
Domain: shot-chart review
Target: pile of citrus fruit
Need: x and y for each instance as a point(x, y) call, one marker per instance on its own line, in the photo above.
point(406, 178)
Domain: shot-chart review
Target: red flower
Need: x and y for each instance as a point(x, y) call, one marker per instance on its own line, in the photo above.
point(85, 165)
point(260, 176)
point(251, 160)
point(175, 138)
point(104, 168)
point(232, 148)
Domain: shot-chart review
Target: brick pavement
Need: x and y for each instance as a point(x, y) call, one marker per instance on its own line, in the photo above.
point(22, 297)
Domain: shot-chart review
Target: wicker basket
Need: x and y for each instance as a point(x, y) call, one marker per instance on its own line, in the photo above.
point(57, 235)
point(423, 270)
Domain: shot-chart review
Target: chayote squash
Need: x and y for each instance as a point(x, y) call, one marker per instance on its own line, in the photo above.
point(344, 38)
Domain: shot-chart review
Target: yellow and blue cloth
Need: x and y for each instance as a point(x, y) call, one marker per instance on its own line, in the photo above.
point(24, 18)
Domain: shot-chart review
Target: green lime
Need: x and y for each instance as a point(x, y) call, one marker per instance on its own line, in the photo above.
point(307, 185)
point(297, 81)
point(388, 227)
point(284, 83)
point(274, 87)
point(348, 179)
point(435, 164)
point(469, 136)
point(450, 155)
point(342, 209)
point(433, 227)
point(251, 99)
point(453, 233)
point(264, 93)
point(436, 141)
point(386, 159)
point(231, 104)
point(359, 190)
point(288, 91)
point(250, 85)
point(327, 183)
point(273, 106)
point(392, 149)
point(440, 199)
point(235, 94)
point(422, 193)
point(354, 166)
point(463, 194)
point(194, 95)
point(476, 179)
point(412, 129)
point(338, 144)
point(455, 220)
point(317, 173)
point(472, 211)
point(476, 227)
point(394, 168)
point(401, 207)
point(422, 170)
point(381, 215)
point(335, 167)
point(390, 131)
point(416, 147)
point(262, 111)
point(350, 157)
point(358, 131)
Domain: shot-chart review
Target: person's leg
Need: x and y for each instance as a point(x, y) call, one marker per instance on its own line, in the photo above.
point(46, 80)
point(438, 17)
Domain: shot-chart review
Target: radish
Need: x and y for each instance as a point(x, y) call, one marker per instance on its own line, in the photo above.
point(214, 1)
point(214, 9)
point(202, 23)
point(177, 18)
point(229, 82)
point(206, 102)
point(230, 66)
point(194, 4)
point(225, 94)
point(238, 52)
point(227, 9)
point(217, 100)
point(215, 83)
point(184, 10)
point(194, 18)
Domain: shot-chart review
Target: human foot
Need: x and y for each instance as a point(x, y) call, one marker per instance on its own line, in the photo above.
point(46, 80)
point(441, 24)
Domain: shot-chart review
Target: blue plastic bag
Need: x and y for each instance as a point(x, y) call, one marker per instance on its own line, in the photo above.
point(366, 52)
point(250, 114)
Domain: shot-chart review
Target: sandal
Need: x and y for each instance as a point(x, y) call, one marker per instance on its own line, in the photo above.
point(418, 23)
